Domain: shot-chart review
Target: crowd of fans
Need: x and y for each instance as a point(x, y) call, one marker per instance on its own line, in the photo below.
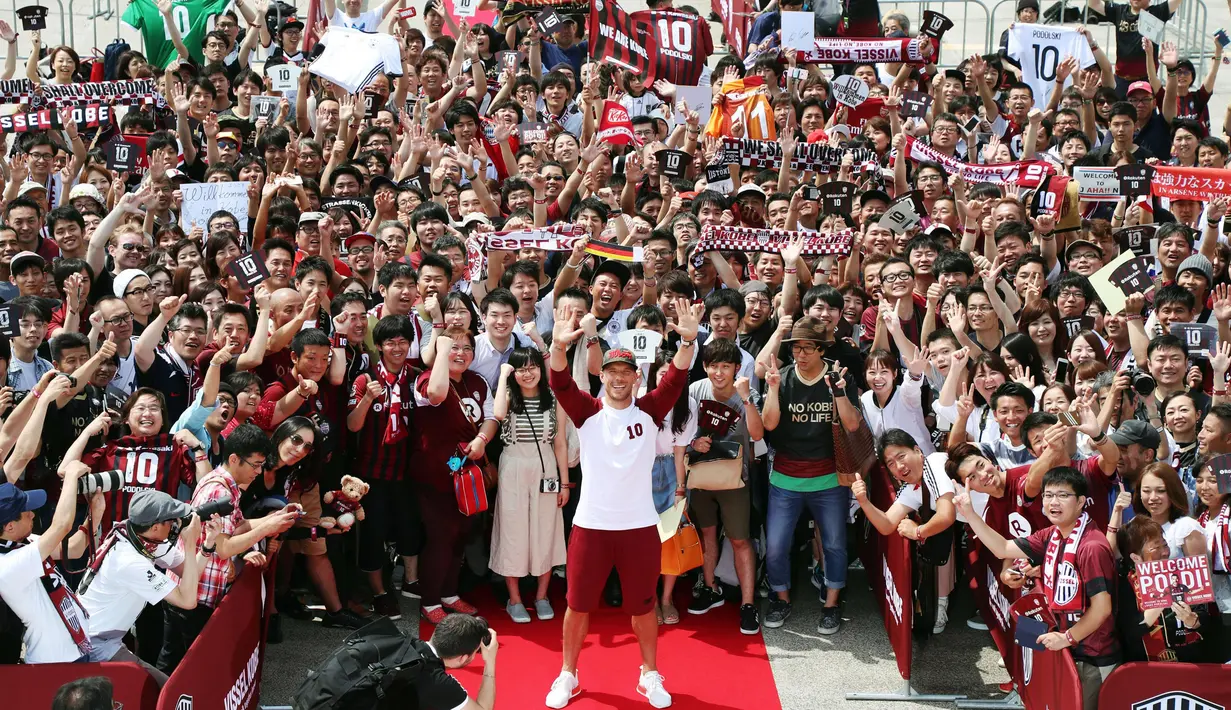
point(388, 343)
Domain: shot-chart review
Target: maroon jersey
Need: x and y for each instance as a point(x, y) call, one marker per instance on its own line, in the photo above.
point(682, 45)
point(440, 429)
point(275, 366)
point(324, 409)
point(1030, 510)
point(375, 457)
point(156, 462)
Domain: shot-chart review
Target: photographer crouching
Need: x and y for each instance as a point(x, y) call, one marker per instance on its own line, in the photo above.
point(128, 571)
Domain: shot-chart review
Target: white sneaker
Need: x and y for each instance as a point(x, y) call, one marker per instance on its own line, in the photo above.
point(565, 688)
point(942, 615)
point(651, 686)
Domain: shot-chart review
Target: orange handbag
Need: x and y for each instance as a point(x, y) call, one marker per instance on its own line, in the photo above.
point(682, 552)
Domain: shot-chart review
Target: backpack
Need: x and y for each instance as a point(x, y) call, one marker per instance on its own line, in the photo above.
point(111, 58)
point(360, 674)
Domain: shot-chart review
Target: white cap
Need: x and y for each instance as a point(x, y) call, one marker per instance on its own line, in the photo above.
point(29, 185)
point(85, 189)
point(124, 278)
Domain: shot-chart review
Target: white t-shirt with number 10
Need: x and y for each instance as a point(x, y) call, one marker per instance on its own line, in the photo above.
point(1039, 50)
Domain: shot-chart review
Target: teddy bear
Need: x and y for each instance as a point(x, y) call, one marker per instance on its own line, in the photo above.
point(345, 502)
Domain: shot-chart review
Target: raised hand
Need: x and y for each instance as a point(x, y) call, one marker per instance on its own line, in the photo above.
point(1170, 56)
point(170, 305)
point(566, 332)
point(688, 318)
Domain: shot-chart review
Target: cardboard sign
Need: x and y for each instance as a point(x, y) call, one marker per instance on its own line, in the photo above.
point(643, 343)
point(506, 59)
point(249, 269)
point(1049, 198)
point(1163, 582)
point(86, 117)
point(1135, 178)
point(901, 215)
point(838, 197)
point(673, 163)
point(935, 24)
point(33, 17)
point(915, 104)
point(1151, 27)
point(1126, 265)
point(715, 419)
point(121, 155)
point(549, 21)
point(10, 320)
point(1221, 467)
point(405, 13)
point(532, 132)
point(798, 31)
point(1097, 184)
point(1027, 632)
point(202, 199)
point(698, 98)
point(283, 77)
point(1200, 339)
point(1075, 325)
point(1136, 239)
point(1223, 41)
point(265, 107)
point(718, 178)
point(369, 104)
point(849, 90)
point(465, 8)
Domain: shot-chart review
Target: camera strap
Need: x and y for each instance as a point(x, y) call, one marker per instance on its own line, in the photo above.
point(537, 449)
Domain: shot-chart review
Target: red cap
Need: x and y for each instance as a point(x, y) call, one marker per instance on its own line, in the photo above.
point(1140, 86)
point(359, 237)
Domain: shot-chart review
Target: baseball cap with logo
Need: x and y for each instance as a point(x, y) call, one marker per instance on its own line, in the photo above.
point(1139, 86)
point(149, 507)
point(617, 355)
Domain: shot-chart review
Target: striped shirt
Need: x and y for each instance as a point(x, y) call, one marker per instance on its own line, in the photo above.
point(529, 426)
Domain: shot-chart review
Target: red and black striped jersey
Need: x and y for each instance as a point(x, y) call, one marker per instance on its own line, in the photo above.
point(374, 458)
point(157, 462)
point(681, 46)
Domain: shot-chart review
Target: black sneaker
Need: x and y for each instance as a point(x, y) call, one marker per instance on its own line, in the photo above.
point(708, 598)
point(749, 619)
point(292, 607)
point(274, 633)
point(387, 605)
point(779, 612)
point(410, 590)
point(831, 621)
point(343, 619)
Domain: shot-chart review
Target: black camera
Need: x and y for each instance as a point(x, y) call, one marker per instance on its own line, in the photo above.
point(549, 485)
point(104, 482)
point(221, 507)
point(1141, 382)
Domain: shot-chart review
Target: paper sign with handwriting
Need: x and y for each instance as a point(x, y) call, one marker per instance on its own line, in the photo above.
point(799, 31)
point(202, 199)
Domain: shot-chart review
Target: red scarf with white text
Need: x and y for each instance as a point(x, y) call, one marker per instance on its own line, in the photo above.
point(395, 384)
point(1220, 544)
point(1061, 581)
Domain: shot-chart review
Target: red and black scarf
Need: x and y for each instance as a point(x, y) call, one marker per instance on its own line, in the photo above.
point(1061, 581)
point(396, 394)
point(67, 605)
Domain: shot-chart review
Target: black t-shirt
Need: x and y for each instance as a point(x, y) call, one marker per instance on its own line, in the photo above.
point(174, 383)
point(1130, 57)
point(1155, 136)
point(434, 688)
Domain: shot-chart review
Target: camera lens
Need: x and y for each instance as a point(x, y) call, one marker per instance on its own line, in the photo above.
point(104, 482)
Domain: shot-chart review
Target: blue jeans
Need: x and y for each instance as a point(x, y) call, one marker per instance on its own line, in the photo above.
point(830, 509)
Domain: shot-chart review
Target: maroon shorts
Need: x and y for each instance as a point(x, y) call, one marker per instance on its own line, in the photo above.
point(637, 556)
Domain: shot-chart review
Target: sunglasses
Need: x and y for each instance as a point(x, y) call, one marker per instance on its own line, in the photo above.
point(298, 440)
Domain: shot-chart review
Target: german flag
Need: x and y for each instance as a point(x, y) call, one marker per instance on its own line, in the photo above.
point(611, 250)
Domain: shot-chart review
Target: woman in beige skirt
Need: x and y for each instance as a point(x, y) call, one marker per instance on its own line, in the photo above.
point(528, 532)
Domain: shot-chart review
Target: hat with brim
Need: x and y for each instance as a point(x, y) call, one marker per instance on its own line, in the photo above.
point(1068, 251)
point(30, 186)
point(751, 189)
point(381, 181)
point(290, 22)
point(230, 136)
point(14, 501)
point(150, 507)
point(360, 237)
point(616, 269)
point(307, 217)
point(807, 329)
point(1139, 86)
point(619, 355)
point(869, 195)
point(1135, 431)
point(24, 260)
point(85, 189)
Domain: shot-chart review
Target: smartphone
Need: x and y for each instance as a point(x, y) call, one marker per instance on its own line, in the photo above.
point(1069, 418)
point(971, 124)
point(812, 192)
point(1062, 370)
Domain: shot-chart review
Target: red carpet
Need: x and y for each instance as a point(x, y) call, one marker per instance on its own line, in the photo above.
point(706, 661)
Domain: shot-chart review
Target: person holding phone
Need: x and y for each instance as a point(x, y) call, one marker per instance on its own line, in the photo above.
point(1078, 577)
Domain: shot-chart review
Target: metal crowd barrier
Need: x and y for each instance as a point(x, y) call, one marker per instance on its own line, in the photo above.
point(1188, 28)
